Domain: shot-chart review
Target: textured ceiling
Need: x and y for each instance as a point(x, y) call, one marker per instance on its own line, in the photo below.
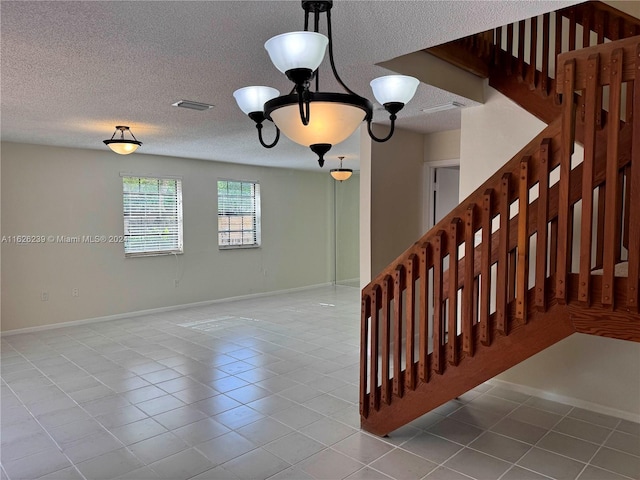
point(71, 71)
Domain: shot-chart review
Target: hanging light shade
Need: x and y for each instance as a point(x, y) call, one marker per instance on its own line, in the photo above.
point(394, 88)
point(331, 119)
point(252, 99)
point(297, 50)
point(122, 146)
point(313, 118)
point(341, 174)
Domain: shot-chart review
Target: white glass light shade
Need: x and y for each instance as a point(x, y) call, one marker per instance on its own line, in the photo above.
point(394, 88)
point(123, 148)
point(329, 122)
point(252, 99)
point(297, 50)
point(341, 174)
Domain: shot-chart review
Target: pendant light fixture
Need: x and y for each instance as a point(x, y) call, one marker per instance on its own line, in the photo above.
point(313, 118)
point(121, 145)
point(341, 174)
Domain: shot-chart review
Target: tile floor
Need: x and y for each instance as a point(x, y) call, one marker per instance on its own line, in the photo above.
point(267, 388)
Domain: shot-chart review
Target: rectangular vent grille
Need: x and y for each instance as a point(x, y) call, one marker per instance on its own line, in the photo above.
point(192, 105)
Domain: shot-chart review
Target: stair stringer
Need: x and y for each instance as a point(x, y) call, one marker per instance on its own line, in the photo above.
point(542, 330)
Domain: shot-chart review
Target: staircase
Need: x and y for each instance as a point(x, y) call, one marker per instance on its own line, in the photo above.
point(533, 255)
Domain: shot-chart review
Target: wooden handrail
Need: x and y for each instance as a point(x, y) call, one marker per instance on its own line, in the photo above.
point(466, 282)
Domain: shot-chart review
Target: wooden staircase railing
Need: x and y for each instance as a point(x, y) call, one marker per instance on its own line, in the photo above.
point(504, 276)
point(520, 59)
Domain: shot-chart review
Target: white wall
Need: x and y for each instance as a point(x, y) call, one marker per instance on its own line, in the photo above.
point(441, 146)
point(396, 196)
point(61, 191)
point(597, 371)
point(347, 212)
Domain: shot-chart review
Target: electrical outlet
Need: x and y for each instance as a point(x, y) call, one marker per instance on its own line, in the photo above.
point(44, 296)
point(75, 292)
point(176, 282)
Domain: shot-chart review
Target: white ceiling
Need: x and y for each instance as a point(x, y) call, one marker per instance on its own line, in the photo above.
point(71, 71)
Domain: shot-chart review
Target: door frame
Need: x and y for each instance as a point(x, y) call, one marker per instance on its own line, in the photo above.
point(429, 184)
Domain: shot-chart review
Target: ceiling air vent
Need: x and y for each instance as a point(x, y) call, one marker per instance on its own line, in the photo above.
point(192, 105)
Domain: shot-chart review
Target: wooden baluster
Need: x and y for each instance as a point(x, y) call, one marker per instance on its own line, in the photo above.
point(374, 394)
point(497, 46)
point(522, 281)
point(387, 292)
point(602, 189)
point(410, 368)
point(586, 231)
point(612, 198)
point(398, 287)
point(540, 298)
point(511, 282)
point(452, 339)
point(572, 30)
point(423, 365)
point(365, 313)
point(546, 34)
point(633, 185)
point(587, 19)
point(564, 208)
point(553, 245)
point(439, 246)
point(599, 26)
point(619, 213)
point(509, 56)
point(628, 111)
point(521, 32)
point(626, 203)
point(533, 54)
point(503, 256)
point(485, 269)
point(558, 50)
point(469, 283)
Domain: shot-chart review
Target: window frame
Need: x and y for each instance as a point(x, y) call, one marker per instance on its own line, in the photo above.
point(179, 216)
point(256, 215)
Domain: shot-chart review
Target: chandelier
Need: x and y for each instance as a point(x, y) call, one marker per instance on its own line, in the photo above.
point(122, 145)
point(310, 117)
point(341, 174)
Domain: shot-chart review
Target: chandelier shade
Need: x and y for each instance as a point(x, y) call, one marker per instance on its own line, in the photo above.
point(122, 146)
point(394, 89)
point(341, 174)
point(333, 117)
point(252, 99)
point(294, 50)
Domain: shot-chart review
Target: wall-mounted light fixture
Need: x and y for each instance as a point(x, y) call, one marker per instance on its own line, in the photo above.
point(312, 118)
point(121, 145)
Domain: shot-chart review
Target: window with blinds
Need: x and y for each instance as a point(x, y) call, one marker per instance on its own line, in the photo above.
point(152, 216)
point(238, 214)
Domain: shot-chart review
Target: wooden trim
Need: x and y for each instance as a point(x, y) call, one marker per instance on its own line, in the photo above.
point(522, 279)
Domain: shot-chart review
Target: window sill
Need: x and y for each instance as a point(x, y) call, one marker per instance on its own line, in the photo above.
point(237, 247)
point(153, 254)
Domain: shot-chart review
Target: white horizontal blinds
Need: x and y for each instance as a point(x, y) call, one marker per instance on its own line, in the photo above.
point(238, 213)
point(152, 215)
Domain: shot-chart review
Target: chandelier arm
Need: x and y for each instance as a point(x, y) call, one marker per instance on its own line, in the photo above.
point(331, 61)
point(303, 105)
point(134, 137)
point(265, 145)
point(382, 140)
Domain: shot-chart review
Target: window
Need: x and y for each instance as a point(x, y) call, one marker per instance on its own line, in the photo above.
point(238, 214)
point(152, 216)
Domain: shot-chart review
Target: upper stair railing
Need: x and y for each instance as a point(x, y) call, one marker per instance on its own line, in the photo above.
point(526, 241)
point(520, 59)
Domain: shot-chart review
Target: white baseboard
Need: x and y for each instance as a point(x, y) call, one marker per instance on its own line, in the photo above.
point(574, 402)
point(140, 313)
